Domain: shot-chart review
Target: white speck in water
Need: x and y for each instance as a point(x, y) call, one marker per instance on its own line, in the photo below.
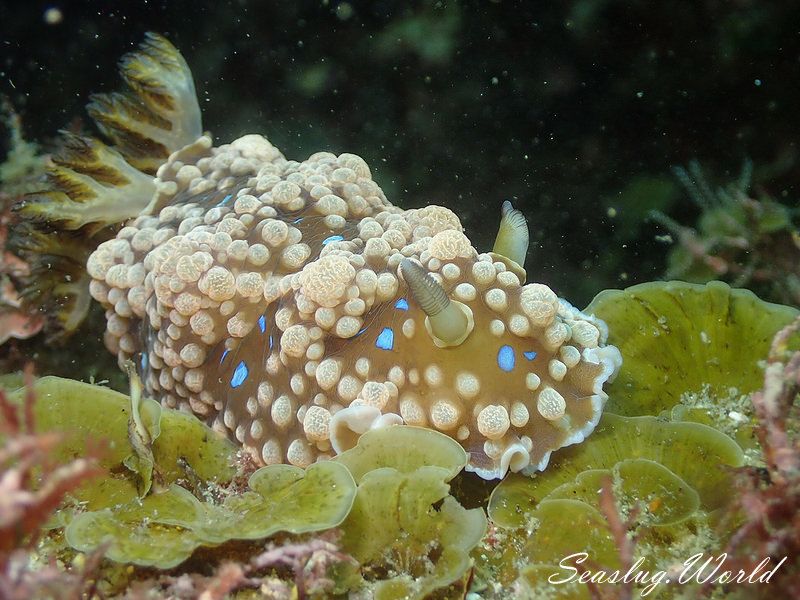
point(53, 16)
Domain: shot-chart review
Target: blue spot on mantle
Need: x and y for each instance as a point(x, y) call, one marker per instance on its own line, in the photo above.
point(505, 358)
point(385, 340)
point(262, 323)
point(225, 200)
point(239, 375)
point(530, 354)
point(224, 354)
point(401, 304)
point(333, 238)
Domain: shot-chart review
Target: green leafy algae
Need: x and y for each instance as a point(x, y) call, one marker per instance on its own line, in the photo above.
point(552, 518)
point(89, 414)
point(406, 449)
point(534, 582)
point(144, 427)
point(163, 529)
point(678, 338)
point(133, 537)
point(675, 474)
point(638, 479)
point(410, 536)
point(691, 355)
point(691, 452)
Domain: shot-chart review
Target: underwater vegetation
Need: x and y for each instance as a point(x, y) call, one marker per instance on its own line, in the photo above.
point(17, 174)
point(381, 501)
point(325, 388)
point(768, 501)
point(748, 241)
point(672, 457)
point(29, 500)
point(380, 517)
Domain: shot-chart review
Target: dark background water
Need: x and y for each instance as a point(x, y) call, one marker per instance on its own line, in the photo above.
point(569, 108)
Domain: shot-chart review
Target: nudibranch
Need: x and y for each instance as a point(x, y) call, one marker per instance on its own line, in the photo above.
point(293, 307)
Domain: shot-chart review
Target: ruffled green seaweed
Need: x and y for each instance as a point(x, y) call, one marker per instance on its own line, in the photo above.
point(87, 414)
point(534, 582)
point(691, 452)
point(670, 499)
point(144, 427)
point(677, 474)
point(405, 449)
point(410, 536)
point(163, 529)
point(670, 455)
point(691, 355)
point(678, 338)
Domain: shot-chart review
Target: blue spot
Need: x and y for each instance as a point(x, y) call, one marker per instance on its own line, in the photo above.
point(530, 354)
point(506, 358)
point(385, 340)
point(401, 304)
point(143, 361)
point(225, 200)
point(270, 342)
point(297, 220)
point(363, 329)
point(239, 375)
point(333, 238)
point(224, 354)
point(262, 323)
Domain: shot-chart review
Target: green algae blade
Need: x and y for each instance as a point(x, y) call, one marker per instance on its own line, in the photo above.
point(162, 546)
point(144, 427)
point(287, 498)
point(552, 518)
point(697, 454)
point(535, 582)
point(405, 448)
point(678, 338)
point(92, 416)
point(395, 527)
point(670, 499)
point(282, 498)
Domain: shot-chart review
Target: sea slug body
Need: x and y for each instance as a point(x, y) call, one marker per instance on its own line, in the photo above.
point(293, 307)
